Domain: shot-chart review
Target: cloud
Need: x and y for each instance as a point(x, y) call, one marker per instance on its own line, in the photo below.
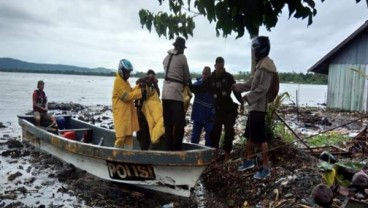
point(98, 33)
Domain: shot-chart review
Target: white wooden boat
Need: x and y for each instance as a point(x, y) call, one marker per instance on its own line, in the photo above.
point(173, 172)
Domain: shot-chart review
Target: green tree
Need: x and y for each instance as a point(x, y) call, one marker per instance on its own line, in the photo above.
point(229, 15)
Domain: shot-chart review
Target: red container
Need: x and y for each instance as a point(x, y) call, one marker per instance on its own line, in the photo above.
point(69, 135)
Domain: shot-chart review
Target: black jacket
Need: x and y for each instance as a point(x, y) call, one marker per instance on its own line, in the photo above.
point(220, 87)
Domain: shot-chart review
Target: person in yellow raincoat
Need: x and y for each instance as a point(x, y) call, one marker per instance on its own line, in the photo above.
point(149, 111)
point(124, 113)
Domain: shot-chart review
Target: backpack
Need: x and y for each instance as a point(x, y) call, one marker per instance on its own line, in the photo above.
point(273, 91)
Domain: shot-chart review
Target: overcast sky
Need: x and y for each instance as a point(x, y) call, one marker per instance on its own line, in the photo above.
point(97, 33)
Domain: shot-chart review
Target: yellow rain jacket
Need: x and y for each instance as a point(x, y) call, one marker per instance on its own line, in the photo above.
point(152, 110)
point(187, 94)
point(124, 113)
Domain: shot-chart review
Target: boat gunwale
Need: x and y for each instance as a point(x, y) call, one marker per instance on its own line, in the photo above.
point(197, 157)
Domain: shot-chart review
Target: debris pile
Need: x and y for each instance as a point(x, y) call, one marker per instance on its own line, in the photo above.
point(359, 144)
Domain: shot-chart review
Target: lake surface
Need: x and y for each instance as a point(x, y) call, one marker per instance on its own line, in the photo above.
point(16, 92)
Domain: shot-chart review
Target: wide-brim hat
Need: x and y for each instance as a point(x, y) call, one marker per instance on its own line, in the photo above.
point(179, 43)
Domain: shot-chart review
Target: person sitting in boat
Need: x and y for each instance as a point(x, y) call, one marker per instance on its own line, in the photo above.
point(149, 110)
point(124, 114)
point(40, 106)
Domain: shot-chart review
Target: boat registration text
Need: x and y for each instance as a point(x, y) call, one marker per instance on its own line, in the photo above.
point(128, 171)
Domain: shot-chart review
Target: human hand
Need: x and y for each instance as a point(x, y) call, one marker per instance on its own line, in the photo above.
point(237, 88)
point(189, 83)
point(142, 85)
point(43, 108)
point(150, 91)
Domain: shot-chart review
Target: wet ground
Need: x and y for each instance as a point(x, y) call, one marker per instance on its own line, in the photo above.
point(33, 179)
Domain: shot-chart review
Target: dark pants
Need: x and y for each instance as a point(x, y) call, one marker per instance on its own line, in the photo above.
point(197, 130)
point(228, 120)
point(143, 135)
point(174, 122)
point(256, 127)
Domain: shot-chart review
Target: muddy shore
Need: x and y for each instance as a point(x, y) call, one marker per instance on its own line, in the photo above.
point(34, 179)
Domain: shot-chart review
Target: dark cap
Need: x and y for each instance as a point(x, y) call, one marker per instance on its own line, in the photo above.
point(179, 43)
point(150, 71)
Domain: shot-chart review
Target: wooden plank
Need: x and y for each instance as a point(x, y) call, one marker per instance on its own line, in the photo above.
point(340, 149)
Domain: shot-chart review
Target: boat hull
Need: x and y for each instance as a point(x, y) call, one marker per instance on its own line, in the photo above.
point(173, 172)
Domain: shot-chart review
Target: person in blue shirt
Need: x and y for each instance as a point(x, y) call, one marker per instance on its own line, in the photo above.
point(202, 111)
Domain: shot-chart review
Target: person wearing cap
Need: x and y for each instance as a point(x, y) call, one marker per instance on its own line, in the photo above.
point(124, 113)
point(176, 79)
point(150, 80)
point(40, 106)
point(149, 111)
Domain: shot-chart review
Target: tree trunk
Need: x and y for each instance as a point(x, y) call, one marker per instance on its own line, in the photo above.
point(253, 58)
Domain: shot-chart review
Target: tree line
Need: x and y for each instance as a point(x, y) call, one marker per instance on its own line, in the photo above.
point(42, 71)
point(285, 77)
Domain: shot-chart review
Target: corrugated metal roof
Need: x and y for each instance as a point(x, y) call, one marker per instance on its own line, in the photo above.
point(322, 65)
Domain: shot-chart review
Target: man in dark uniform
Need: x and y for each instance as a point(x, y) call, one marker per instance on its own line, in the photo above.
point(220, 86)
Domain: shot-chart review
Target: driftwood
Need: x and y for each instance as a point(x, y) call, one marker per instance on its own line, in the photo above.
point(8, 196)
point(327, 130)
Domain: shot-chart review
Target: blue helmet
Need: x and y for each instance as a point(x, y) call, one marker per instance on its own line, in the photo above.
point(125, 66)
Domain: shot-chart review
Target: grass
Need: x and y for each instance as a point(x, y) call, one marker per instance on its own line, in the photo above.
point(329, 138)
point(285, 133)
